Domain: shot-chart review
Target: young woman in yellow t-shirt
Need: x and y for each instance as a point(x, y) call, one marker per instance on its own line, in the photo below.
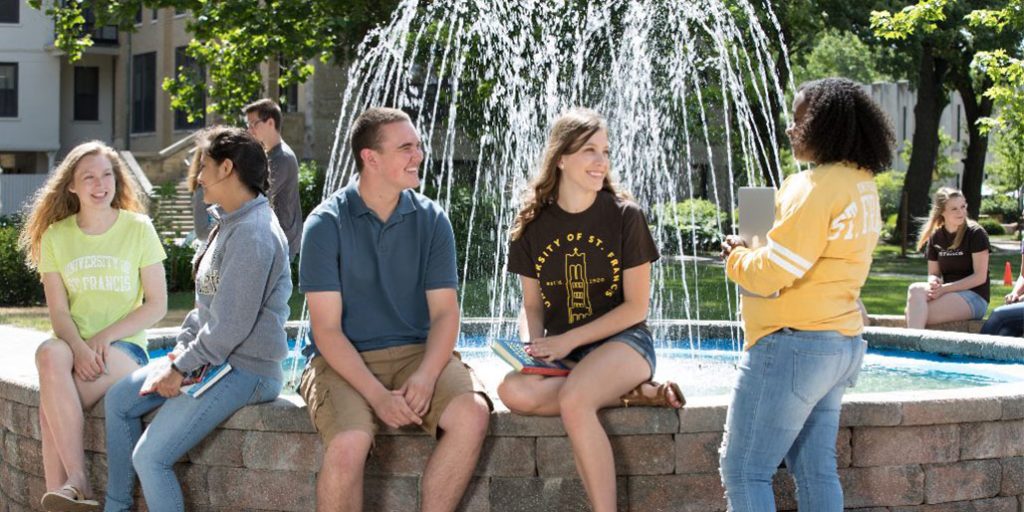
point(100, 261)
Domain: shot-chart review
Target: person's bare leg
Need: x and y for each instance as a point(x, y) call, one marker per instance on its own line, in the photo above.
point(917, 305)
point(53, 468)
point(596, 382)
point(530, 395)
point(63, 398)
point(339, 486)
point(949, 308)
point(464, 425)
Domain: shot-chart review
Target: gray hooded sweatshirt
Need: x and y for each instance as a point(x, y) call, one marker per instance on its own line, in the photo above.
point(243, 281)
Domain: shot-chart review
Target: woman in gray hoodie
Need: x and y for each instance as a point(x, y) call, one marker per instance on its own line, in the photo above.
point(243, 281)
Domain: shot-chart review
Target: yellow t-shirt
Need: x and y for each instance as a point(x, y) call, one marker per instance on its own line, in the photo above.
point(819, 250)
point(101, 272)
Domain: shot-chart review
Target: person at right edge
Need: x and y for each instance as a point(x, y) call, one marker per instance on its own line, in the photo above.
point(804, 347)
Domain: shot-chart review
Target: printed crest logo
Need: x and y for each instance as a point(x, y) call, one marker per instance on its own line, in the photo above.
point(591, 270)
point(577, 286)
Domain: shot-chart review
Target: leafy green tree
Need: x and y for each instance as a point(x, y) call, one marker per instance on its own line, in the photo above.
point(232, 38)
point(1007, 170)
point(838, 53)
point(938, 33)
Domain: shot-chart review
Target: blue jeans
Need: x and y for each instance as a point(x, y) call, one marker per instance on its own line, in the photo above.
point(137, 353)
point(637, 338)
point(785, 406)
point(977, 303)
point(1006, 320)
point(180, 424)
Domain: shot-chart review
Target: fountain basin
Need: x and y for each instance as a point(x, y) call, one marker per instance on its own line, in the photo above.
point(961, 447)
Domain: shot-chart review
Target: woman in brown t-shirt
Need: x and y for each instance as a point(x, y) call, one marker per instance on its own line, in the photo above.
point(957, 249)
point(583, 253)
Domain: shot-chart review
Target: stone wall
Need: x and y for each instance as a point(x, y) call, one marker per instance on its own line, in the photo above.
point(936, 451)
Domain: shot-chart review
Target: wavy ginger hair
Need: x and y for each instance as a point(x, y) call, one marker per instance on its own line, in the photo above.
point(570, 132)
point(55, 201)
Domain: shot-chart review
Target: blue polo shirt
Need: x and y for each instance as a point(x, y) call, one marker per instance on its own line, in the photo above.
point(382, 269)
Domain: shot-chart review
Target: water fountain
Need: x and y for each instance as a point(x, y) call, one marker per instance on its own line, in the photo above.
point(681, 84)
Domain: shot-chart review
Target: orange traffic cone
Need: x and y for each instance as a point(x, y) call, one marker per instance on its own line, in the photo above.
point(1007, 275)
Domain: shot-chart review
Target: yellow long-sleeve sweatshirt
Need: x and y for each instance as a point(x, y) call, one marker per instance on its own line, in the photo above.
point(817, 256)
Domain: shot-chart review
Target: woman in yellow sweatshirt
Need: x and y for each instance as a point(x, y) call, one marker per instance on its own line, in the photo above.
point(803, 347)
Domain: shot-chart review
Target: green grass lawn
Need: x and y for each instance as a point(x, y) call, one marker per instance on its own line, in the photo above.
point(676, 284)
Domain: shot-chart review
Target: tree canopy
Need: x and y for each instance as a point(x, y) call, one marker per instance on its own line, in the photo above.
point(232, 39)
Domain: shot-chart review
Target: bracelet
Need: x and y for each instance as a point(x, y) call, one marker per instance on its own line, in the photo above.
point(174, 367)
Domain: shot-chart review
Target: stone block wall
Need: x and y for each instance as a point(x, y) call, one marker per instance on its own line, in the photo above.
point(936, 451)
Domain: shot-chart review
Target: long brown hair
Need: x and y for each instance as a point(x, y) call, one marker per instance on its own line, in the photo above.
point(55, 202)
point(570, 132)
point(936, 221)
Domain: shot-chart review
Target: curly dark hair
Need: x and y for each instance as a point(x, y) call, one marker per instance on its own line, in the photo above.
point(843, 123)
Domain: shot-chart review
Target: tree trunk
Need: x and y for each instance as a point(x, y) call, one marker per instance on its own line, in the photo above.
point(931, 99)
point(977, 145)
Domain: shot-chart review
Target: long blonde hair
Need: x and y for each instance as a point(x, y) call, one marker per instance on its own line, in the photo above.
point(570, 132)
point(935, 220)
point(55, 202)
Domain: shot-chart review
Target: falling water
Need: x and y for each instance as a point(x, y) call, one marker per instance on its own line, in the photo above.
point(679, 81)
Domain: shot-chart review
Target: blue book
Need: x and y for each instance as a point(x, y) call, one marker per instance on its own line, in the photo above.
point(209, 376)
point(514, 353)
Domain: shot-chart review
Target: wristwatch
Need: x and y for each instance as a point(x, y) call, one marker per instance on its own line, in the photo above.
point(177, 370)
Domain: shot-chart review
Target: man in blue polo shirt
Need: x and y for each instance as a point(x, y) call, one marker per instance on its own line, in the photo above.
point(379, 273)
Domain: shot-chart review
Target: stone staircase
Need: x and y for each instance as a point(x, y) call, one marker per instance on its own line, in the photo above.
point(172, 214)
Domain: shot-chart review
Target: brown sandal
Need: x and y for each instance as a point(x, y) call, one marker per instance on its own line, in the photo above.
point(637, 398)
point(68, 499)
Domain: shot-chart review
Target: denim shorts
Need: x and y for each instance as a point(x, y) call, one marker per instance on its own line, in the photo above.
point(977, 303)
point(134, 351)
point(638, 338)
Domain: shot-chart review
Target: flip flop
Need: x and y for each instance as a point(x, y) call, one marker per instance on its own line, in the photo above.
point(68, 499)
point(637, 398)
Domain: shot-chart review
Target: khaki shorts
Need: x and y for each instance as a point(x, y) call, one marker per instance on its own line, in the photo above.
point(335, 406)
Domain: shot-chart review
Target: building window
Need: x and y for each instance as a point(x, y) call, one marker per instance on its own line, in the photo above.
point(185, 63)
point(87, 93)
point(8, 89)
point(156, 16)
point(138, 16)
point(144, 93)
point(10, 11)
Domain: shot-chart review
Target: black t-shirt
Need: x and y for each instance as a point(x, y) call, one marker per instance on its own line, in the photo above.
point(579, 258)
point(956, 264)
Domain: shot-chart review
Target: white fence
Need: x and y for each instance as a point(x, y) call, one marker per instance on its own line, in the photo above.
point(17, 189)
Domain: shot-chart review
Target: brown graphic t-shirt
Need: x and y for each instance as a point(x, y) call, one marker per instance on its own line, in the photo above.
point(956, 264)
point(579, 258)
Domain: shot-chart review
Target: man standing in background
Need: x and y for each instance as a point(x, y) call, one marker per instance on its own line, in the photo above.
point(263, 118)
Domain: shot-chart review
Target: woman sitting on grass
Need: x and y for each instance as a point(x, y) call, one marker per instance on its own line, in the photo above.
point(243, 281)
point(101, 265)
point(583, 253)
point(957, 249)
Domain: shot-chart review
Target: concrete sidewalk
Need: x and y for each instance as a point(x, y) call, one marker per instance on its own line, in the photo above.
point(19, 348)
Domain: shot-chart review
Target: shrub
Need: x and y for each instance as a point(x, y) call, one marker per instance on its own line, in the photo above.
point(21, 285)
point(692, 224)
point(1002, 206)
point(178, 266)
point(311, 185)
point(890, 189)
point(481, 236)
point(890, 233)
point(992, 226)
